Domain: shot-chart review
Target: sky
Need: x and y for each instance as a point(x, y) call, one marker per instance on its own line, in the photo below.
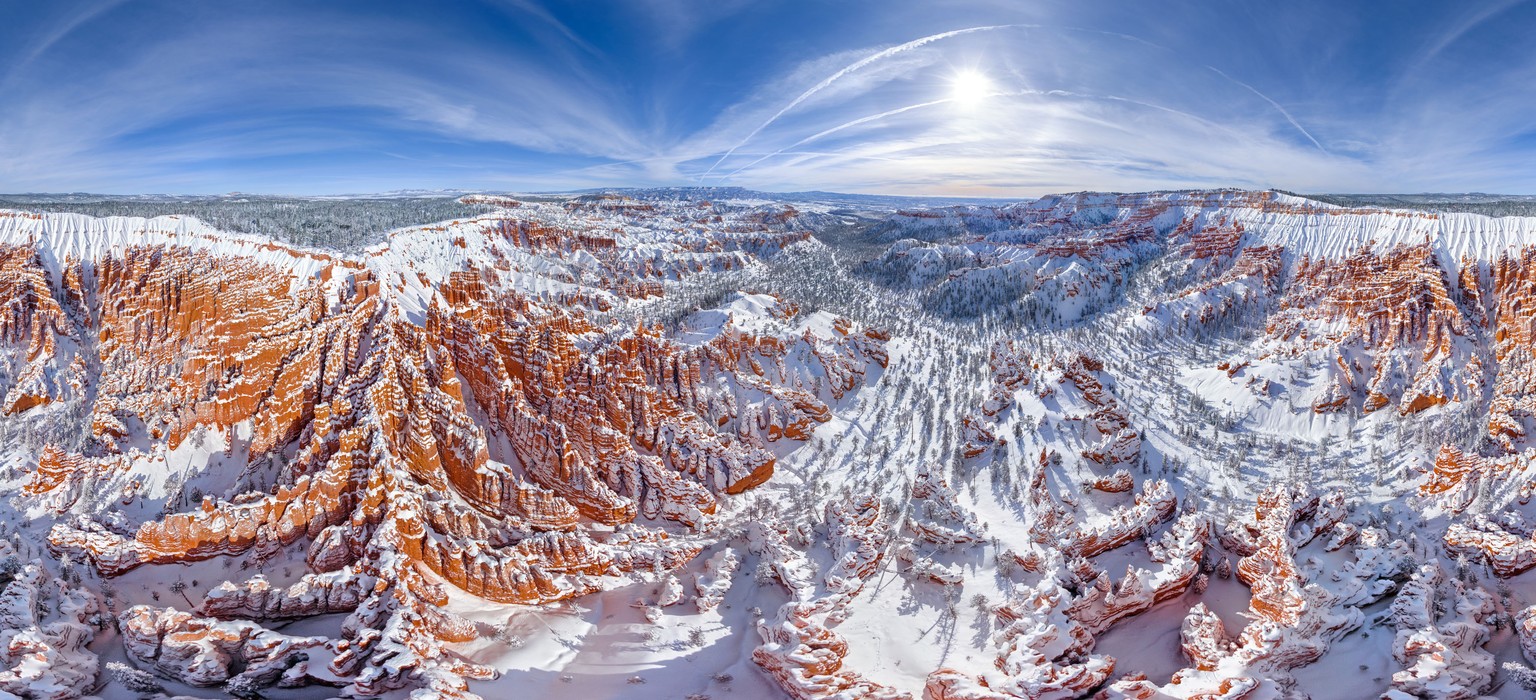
point(1006, 98)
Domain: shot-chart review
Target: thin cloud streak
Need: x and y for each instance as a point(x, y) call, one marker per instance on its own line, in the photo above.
point(1274, 104)
point(526, 94)
point(850, 68)
point(840, 127)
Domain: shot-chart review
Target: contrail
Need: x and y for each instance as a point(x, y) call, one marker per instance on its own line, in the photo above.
point(1277, 107)
point(847, 156)
point(63, 31)
point(1149, 105)
point(840, 127)
point(1012, 93)
point(818, 87)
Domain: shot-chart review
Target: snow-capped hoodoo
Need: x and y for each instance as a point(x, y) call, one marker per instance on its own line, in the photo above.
point(1213, 444)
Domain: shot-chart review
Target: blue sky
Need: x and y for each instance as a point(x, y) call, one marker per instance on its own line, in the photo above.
point(1004, 98)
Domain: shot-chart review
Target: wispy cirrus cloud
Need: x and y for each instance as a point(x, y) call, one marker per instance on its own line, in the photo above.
point(858, 96)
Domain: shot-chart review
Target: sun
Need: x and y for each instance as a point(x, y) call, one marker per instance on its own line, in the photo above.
point(969, 87)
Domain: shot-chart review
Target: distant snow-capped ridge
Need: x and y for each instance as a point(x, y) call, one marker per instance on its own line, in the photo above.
point(1304, 227)
point(535, 247)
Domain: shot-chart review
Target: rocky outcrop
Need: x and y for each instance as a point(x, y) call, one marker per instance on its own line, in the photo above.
point(1011, 371)
point(1389, 326)
point(977, 437)
point(45, 625)
point(1226, 276)
point(44, 366)
point(467, 421)
point(204, 653)
point(714, 581)
point(1155, 504)
point(1506, 552)
point(1292, 620)
point(1178, 553)
point(1511, 288)
point(800, 651)
point(1118, 442)
point(1205, 642)
point(1525, 628)
point(1043, 653)
point(937, 515)
point(1442, 655)
point(1118, 482)
point(314, 594)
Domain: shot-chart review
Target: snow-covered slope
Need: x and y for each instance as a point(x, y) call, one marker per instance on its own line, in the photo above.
point(1167, 445)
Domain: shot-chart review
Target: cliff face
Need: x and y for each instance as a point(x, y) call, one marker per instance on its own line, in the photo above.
point(472, 423)
point(43, 368)
point(1402, 307)
point(1390, 326)
point(1293, 323)
point(535, 413)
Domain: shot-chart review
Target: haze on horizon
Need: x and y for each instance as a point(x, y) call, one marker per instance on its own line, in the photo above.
point(905, 97)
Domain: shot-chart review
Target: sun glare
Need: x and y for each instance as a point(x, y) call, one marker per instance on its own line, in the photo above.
point(969, 87)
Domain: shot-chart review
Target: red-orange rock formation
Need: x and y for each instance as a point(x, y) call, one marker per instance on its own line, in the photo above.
point(1251, 277)
point(1118, 442)
point(1179, 553)
point(1507, 552)
point(1441, 653)
point(1292, 621)
point(937, 515)
point(45, 627)
point(1042, 652)
point(977, 437)
point(1010, 372)
point(1513, 295)
point(1118, 482)
point(455, 426)
point(800, 650)
point(35, 323)
point(1394, 307)
point(203, 652)
point(1454, 477)
point(1155, 504)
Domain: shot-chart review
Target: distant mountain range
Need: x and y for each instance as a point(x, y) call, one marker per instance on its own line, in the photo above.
point(645, 193)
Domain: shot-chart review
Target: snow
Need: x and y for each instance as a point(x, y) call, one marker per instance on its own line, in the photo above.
point(1216, 439)
point(62, 237)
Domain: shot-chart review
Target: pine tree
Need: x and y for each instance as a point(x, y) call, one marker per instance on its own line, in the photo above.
point(1523, 676)
point(133, 679)
point(243, 687)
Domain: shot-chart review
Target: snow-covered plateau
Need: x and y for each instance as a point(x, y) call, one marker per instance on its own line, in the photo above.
point(706, 444)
